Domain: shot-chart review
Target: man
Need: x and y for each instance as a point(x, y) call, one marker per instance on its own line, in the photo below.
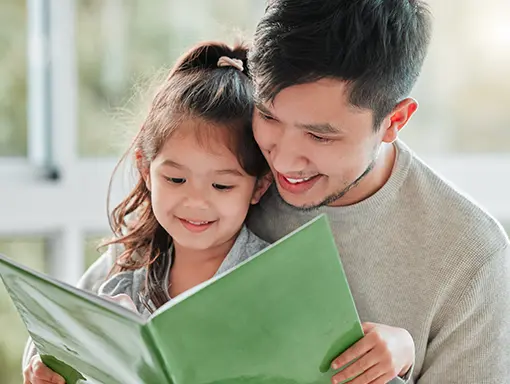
point(425, 264)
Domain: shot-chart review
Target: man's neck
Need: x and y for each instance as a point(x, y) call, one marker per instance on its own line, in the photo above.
point(374, 180)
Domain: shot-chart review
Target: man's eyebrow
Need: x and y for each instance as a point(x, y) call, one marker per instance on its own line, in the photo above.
point(263, 109)
point(320, 128)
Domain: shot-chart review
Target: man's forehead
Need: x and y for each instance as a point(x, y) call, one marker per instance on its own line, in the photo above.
point(322, 106)
point(316, 125)
point(325, 94)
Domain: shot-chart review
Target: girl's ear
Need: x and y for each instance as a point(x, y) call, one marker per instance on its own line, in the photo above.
point(142, 168)
point(261, 187)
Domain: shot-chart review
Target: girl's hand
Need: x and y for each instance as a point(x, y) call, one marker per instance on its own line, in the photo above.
point(38, 373)
point(382, 354)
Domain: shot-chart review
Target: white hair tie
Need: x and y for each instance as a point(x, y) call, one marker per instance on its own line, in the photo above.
point(225, 61)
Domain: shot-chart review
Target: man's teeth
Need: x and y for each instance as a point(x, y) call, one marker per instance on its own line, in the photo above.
point(297, 181)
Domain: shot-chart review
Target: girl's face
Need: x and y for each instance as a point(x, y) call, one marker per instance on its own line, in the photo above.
point(200, 193)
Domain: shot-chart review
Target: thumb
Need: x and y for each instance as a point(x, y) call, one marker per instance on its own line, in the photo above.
point(367, 327)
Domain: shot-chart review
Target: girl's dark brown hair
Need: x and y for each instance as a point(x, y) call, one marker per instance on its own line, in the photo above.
point(196, 88)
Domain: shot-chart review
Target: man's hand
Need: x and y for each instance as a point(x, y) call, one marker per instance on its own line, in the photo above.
point(381, 355)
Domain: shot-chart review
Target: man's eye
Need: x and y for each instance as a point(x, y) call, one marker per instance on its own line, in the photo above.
point(263, 116)
point(320, 139)
point(176, 180)
point(221, 187)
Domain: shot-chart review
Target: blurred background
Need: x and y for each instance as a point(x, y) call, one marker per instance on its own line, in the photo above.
point(74, 77)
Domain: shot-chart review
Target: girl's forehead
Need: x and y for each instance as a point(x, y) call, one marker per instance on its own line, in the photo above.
point(204, 133)
point(207, 150)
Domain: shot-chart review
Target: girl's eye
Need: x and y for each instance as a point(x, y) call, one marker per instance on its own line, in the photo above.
point(319, 138)
point(176, 180)
point(221, 187)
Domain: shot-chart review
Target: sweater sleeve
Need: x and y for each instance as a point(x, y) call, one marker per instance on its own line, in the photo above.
point(472, 345)
point(90, 281)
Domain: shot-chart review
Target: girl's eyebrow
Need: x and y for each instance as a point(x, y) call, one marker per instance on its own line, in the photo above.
point(171, 163)
point(233, 172)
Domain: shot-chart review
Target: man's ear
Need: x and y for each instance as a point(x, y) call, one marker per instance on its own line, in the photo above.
point(261, 187)
point(398, 119)
point(143, 168)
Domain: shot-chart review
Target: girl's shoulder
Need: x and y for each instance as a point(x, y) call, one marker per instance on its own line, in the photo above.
point(252, 241)
point(97, 273)
point(99, 280)
point(130, 283)
point(100, 270)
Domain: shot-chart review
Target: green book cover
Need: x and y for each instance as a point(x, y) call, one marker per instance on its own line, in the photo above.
point(280, 317)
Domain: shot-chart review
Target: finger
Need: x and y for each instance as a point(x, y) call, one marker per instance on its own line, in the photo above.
point(359, 367)
point(27, 374)
point(384, 379)
point(56, 379)
point(30, 378)
point(44, 374)
point(357, 350)
point(364, 377)
point(39, 381)
point(367, 327)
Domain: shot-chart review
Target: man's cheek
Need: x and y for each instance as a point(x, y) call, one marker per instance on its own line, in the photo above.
point(262, 135)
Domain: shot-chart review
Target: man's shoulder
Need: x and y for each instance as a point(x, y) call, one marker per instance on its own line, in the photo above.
point(449, 214)
point(271, 218)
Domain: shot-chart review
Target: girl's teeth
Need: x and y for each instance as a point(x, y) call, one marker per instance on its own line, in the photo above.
point(197, 222)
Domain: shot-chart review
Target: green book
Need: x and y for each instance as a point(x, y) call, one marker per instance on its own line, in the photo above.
point(280, 317)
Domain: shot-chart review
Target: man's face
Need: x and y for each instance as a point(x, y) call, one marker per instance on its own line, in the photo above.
point(317, 144)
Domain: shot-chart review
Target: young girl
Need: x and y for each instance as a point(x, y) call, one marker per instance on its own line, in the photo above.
point(199, 170)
